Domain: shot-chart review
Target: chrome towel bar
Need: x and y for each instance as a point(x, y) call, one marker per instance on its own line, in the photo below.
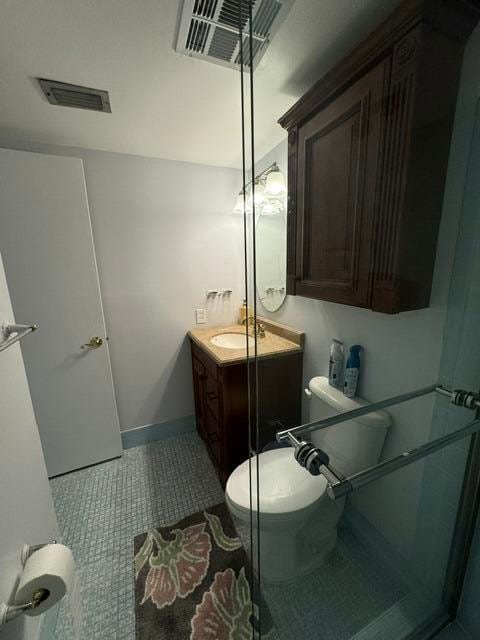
point(316, 461)
point(458, 397)
point(343, 486)
point(12, 333)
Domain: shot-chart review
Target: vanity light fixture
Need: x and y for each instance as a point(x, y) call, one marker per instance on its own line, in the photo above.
point(239, 202)
point(269, 185)
point(275, 184)
point(271, 207)
point(259, 193)
point(249, 202)
point(242, 202)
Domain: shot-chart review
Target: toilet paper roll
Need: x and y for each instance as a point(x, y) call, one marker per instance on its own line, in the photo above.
point(52, 568)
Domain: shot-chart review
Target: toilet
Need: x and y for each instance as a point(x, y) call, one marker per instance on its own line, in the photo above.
point(297, 521)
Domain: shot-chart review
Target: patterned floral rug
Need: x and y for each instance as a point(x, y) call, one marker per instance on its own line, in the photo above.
point(192, 582)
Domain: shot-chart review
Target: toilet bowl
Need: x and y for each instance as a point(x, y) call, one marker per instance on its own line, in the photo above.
point(293, 515)
point(296, 518)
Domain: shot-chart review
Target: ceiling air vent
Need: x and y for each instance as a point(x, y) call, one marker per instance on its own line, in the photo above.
point(209, 29)
point(72, 95)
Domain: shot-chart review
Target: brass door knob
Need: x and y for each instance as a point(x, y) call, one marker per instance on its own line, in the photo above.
point(94, 343)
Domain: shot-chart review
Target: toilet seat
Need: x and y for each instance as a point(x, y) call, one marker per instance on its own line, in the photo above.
point(285, 486)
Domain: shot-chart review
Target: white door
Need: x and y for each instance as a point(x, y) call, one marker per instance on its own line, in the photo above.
point(26, 506)
point(49, 258)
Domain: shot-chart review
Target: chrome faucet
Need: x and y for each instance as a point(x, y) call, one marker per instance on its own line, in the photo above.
point(250, 320)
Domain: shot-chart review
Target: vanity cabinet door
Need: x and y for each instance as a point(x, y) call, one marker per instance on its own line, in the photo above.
point(368, 152)
point(215, 440)
point(199, 379)
point(338, 153)
point(212, 395)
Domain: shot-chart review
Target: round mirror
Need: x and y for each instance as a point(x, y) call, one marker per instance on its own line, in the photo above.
point(271, 236)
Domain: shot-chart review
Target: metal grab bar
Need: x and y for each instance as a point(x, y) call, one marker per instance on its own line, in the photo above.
point(20, 330)
point(458, 397)
point(317, 462)
point(343, 486)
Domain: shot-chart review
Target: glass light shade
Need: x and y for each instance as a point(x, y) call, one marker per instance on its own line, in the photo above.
point(275, 183)
point(271, 207)
point(259, 194)
point(238, 208)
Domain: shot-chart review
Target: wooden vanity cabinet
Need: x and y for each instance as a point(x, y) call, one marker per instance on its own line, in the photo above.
point(221, 404)
point(368, 150)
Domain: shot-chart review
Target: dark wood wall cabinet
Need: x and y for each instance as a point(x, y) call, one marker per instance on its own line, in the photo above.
point(368, 150)
point(221, 404)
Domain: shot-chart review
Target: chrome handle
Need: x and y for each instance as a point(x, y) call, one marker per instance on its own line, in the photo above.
point(13, 333)
point(340, 487)
point(94, 343)
point(316, 461)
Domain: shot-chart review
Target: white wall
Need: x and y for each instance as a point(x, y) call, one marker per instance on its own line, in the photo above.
point(400, 352)
point(163, 234)
point(26, 507)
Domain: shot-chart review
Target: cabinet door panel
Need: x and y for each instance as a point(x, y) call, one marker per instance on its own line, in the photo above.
point(214, 438)
point(337, 166)
point(199, 377)
point(212, 395)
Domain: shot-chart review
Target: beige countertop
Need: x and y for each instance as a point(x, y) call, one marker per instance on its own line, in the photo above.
point(279, 340)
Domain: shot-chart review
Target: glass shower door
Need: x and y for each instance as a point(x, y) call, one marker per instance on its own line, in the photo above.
point(394, 565)
point(397, 565)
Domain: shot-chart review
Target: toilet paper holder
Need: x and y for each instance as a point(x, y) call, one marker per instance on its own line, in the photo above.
point(9, 612)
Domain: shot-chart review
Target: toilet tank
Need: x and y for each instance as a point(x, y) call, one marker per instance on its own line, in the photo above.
point(354, 445)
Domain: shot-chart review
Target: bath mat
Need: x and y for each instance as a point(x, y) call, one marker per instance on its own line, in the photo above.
point(192, 582)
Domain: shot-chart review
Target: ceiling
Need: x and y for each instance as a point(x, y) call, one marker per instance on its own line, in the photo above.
point(164, 105)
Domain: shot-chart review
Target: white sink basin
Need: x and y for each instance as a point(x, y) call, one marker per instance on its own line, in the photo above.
point(232, 341)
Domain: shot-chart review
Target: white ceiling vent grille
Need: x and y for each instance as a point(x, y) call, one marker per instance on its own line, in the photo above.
point(209, 29)
point(72, 95)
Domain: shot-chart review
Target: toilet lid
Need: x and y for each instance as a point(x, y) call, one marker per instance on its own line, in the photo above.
point(284, 485)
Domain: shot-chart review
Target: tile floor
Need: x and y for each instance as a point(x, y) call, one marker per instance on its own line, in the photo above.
point(102, 508)
point(352, 589)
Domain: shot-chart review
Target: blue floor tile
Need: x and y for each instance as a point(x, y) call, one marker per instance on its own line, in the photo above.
point(101, 509)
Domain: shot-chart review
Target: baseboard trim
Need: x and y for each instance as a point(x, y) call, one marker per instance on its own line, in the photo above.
point(152, 432)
